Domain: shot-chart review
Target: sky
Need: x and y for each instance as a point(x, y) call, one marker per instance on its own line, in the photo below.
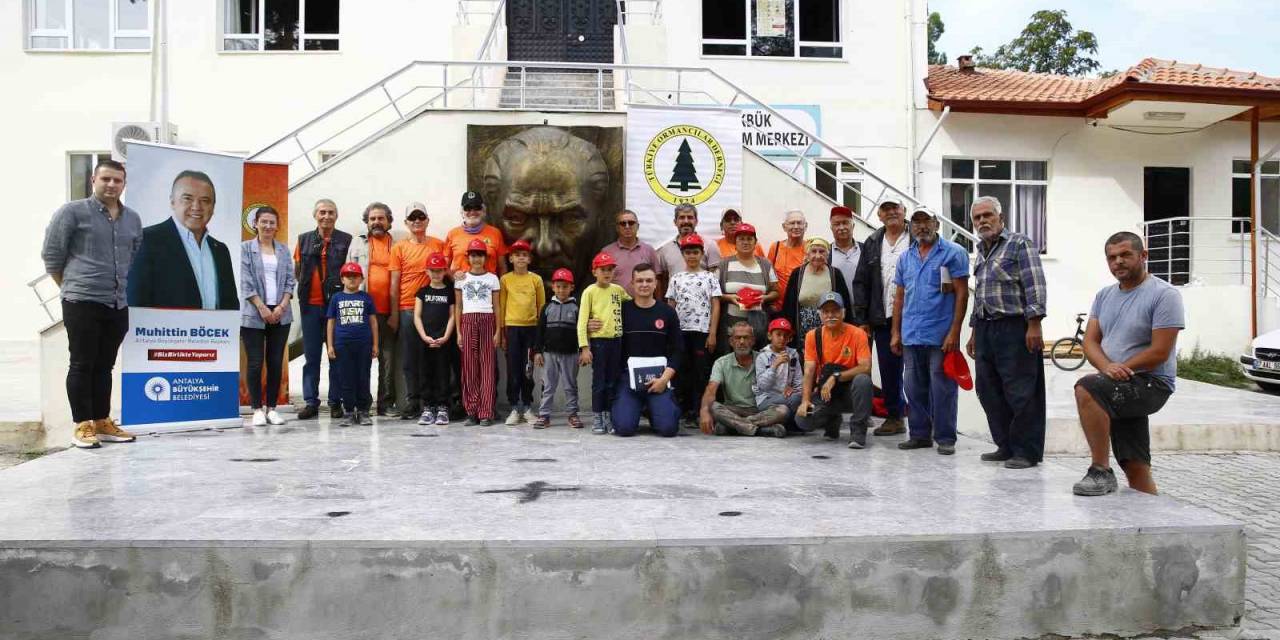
point(1240, 34)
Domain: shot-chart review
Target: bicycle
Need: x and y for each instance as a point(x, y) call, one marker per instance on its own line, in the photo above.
point(1071, 349)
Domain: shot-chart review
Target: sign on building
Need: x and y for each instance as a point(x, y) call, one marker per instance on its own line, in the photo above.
point(769, 135)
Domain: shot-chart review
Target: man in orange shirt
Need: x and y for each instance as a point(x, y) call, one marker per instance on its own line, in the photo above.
point(729, 221)
point(840, 371)
point(408, 269)
point(372, 251)
point(787, 254)
point(474, 228)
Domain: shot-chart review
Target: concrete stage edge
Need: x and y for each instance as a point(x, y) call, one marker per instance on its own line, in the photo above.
point(394, 531)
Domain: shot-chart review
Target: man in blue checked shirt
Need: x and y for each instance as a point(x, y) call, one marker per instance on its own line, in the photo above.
point(932, 294)
point(1006, 343)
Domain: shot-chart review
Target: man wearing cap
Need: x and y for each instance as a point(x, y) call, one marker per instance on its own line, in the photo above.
point(873, 293)
point(408, 268)
point(670, 256)
point(748, 285)
point(650, 333)
point(372, 251)
point(734, 375)
point(628, 250)
point(837, 376)
point(928, 307)
point(319, 256)
point(474, 227)
point(1006, 342)
point(787, 254)
point(729, 221)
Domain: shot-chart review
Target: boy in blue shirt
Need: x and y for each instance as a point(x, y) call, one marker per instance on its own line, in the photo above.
point(353, 343)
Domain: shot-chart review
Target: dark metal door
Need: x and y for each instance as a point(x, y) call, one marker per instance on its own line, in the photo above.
point(1167, 196)
point(561, 30)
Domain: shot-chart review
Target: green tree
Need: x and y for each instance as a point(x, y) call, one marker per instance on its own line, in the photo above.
point(684, 173)
point(1048, 44)
point(936, 29)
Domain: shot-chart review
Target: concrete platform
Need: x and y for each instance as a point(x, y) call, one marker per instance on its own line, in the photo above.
point(394, 531)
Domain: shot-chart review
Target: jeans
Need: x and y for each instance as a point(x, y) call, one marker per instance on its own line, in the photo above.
point(1009, 380)
point(854, 397)
point(930, 393)
point(273, 338)
point(558, 368)
point(390, 377)
point(606, 361)
point(410, 357)
point(94, 334)
point(313, 338)
point(890, 371)
point(664, 413)
point(777, 399)
point(519, 386)
point(354, 360)
point(695, 368)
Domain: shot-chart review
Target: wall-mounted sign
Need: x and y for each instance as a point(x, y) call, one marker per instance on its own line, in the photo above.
point(771, 18)
point(768, 135)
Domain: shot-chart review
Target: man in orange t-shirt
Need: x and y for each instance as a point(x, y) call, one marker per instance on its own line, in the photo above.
point(408, 267)
point(787, 254)
point(372, 251)
point(840, 371)
point(474, 228)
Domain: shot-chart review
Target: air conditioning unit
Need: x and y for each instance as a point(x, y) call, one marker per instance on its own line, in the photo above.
point(121, 132)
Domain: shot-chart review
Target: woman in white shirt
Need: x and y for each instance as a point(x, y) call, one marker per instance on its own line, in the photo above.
point(266, 285)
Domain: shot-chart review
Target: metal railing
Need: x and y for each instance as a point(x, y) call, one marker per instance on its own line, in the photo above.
point(646, 10)
point(1200, 250)
point(469, 8)
point(49, 296)
point(1268, 264)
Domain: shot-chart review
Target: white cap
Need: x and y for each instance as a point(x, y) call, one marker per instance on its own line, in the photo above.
point(922, 209)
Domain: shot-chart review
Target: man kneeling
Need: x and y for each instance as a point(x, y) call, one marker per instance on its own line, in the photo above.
point(735, 372)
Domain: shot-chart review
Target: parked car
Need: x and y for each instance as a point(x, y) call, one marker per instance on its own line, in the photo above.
point(1262, 363)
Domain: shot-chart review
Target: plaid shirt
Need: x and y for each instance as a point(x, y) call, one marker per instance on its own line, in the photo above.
point(1010, 280)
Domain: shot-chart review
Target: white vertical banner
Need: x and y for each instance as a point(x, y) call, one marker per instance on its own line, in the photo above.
point(181, 358)
point(679, 155)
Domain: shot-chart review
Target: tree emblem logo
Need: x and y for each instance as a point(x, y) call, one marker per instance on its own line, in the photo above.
point(684, 164)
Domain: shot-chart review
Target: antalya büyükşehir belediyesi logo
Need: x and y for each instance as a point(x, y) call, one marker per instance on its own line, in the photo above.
point(673, 159)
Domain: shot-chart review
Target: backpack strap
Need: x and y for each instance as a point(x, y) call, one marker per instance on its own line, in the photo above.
point(773, 251)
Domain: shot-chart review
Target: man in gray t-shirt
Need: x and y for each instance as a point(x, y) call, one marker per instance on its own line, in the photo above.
point(1131, 340)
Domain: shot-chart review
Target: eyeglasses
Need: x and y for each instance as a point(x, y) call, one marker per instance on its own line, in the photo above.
point(473, 209)
point(628, 223)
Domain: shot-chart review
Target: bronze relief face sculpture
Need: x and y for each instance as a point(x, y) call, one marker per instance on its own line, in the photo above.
point(550, 188)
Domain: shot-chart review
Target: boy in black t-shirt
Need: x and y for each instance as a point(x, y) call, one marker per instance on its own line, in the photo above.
point(433, 318)
point(353, 343)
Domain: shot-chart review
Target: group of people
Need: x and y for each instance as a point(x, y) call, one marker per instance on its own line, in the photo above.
point(724, 336)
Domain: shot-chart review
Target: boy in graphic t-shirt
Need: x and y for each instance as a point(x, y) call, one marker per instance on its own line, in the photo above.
point(479, 319)
point(352, 338)
point(433, 320)
point(695, 294)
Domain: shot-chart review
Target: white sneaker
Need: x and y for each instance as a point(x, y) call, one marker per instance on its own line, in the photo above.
point(515, 418)
point(259, 418)
point(530, 416)
point(274, 418)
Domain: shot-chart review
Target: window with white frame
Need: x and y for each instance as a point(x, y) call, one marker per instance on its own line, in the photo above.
point(1269, 211)
point(110, 25)
point(280, 25)
point(1021, 186)
point(772, 28)
point(839, 180)
point(80, 166)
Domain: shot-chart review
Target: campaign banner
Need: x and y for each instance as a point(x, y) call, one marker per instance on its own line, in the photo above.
point(682, 155)
point(265, 184)
point(180, 361)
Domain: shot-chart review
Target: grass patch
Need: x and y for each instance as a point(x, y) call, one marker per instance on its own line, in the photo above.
point(1203, 366)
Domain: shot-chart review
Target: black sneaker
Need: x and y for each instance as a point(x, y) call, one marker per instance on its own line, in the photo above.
point(832, 434)
point(858, 434)
point(946, 448)
point(410, 413)
point(362, 418)
point(913, 443)
point(473, 421)
point(719, 429)
point(344, 419)
point(309, 412)
point(996, 456)
point(487, 422)
point(335, 411)
point(1018, 463)
point(1096, 482)
point(382, 411)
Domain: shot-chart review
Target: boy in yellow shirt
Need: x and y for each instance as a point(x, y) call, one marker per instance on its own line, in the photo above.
point(523, 296)
point(600, 337)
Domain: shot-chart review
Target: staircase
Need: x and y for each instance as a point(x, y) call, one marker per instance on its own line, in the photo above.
point(557, 89)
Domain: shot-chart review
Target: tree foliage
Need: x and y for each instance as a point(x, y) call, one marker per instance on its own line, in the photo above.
point(936, 29)
point(1048, 44)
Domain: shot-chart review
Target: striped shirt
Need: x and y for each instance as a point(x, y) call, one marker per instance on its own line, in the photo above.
point(1010, 280)
point(736, 276)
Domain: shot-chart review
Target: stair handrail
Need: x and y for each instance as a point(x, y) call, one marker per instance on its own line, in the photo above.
point(1270, 243)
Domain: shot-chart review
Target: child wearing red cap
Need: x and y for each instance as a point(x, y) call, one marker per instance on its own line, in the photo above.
point(600, 337)
point(779, 370)
point(479, 318)
point(523, 296)
point(433, 320)
point(352, 338)
point(695, 295)
point(555, 349)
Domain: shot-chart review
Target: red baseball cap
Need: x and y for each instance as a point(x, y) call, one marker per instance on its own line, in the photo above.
point(603, 259)
point(957, 368)
point(691, 240)
point(744, 228)
point(781, 323)
point(562, 275)
point(521, 245)
point(477, 246)
point(437, 261)
point(351, 269)
point(841, 211)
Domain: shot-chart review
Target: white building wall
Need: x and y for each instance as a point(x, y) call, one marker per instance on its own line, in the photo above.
point(1096, 189)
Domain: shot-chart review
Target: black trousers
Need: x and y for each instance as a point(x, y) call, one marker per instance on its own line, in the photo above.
point(94, 334)
point(410, 356)
point(519, 386)
point(433, 375)
point(1010, 385)
point(264, 344)
point(695, 368)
